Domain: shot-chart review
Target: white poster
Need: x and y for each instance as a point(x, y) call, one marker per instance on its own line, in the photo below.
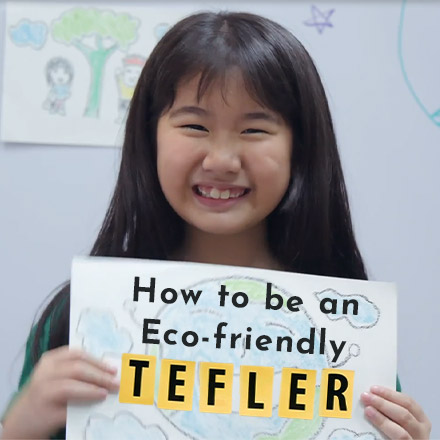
point(221, 352)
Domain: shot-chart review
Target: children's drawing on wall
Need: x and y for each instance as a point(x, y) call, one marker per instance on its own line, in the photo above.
point(77, 50)
point(420, 74)
point(87, 60)
point(83, 99)
point(59, 76)
point(97, 34)
point(126, 80)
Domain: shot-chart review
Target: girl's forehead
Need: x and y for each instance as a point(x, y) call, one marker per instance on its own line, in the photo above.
point(230, 87)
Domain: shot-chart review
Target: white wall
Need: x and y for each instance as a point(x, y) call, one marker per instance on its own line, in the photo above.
point(52, 198)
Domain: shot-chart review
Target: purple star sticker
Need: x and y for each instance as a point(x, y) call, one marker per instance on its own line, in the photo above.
point(320, 19)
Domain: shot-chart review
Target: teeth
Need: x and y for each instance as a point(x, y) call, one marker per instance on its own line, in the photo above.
point(224, 194)
point(216, 194)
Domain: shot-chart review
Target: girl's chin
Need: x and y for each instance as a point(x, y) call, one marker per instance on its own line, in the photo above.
point(221, 232)
point(221, 228)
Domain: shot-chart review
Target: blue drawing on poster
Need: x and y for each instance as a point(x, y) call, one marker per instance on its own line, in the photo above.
point(367, 312)
point(348, 434)
point(124, 426)
point(275, 323)
point(101, 334)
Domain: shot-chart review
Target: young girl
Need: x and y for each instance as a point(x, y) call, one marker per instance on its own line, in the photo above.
point(229, 157)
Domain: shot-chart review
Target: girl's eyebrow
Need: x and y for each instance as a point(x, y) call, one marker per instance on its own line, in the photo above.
point(189, 109)
point(260, 115)
point(264, 116)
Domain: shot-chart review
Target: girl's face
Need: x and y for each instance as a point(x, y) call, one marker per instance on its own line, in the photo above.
point(59, 75)
point(223, 162)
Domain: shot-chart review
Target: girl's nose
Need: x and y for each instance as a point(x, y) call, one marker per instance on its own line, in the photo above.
point(222, 159)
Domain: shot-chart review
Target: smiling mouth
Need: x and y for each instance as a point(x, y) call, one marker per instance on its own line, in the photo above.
point(216, 194)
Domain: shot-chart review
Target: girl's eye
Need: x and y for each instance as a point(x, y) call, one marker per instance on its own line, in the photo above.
point(253, 131)
point(195, 127)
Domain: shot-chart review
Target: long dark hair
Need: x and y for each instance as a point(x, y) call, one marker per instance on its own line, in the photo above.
point(310, 231)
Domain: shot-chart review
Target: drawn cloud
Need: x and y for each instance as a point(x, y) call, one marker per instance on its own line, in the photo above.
point(101, 334)
point(124, 426)
point(29, 33)
point(160, 30)
point(368, 313)
point(347, 434)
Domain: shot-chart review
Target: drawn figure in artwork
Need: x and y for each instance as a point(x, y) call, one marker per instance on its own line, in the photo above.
point(59, 76)
point(126, 79)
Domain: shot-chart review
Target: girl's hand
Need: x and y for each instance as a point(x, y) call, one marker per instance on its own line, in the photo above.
point(60, 376)
point(396, 414)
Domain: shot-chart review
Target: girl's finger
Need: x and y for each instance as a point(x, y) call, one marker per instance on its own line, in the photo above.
point(398, 414)
point(67, 354)
point(70, 390)
point(89, 373)
point(387, 426)
point(401, 399)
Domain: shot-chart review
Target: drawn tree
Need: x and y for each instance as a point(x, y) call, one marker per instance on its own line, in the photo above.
point(97, 34)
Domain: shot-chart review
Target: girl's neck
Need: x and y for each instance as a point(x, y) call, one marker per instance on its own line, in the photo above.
point(248, 248)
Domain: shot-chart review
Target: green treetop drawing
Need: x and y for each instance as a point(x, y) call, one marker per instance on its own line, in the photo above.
point(97, 34)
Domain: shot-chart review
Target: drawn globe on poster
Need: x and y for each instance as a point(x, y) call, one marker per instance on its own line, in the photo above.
point(274, 323)
point(416, 52)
